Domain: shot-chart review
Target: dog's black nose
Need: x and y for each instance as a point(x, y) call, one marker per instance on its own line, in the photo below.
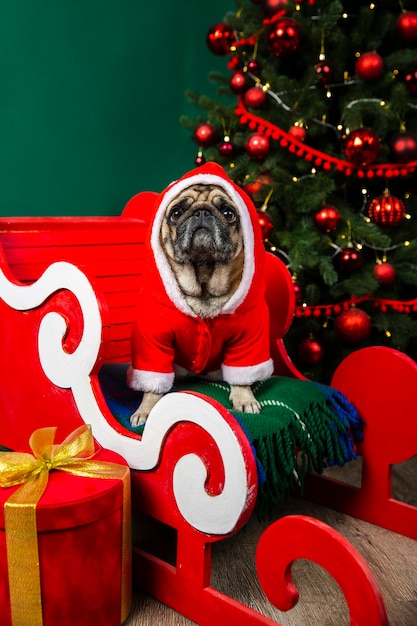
point(202, 217)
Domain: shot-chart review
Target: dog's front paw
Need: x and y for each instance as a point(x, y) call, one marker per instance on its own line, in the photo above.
point(139, 417)
point(243, 400)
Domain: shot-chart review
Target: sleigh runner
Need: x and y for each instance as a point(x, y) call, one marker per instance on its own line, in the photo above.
point(69, 288)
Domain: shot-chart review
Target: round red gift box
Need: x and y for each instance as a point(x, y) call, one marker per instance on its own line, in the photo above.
point(80, 529)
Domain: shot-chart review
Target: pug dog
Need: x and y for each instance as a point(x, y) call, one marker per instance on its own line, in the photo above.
point(201, 239)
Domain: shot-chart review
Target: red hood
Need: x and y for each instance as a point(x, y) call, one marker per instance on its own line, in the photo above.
point(160, 279)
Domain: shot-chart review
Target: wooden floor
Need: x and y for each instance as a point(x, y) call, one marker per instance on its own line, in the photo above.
point(391, 557)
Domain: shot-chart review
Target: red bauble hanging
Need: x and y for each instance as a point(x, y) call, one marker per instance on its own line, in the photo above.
point(406, 26)
point(199, 160)
point(349, 260)
point(311, 351)
point(257, 146)
point(266, 224)
point(327, 218)
point(238, 82)
point(369, 66)
point(386, 210)
point(257, 185)
point(254, 98)
point(226, 148)
point(384, 273)
point(283, 36)
point(410, 81)
point(353, 326)
point(253, 67)
point(206, 135)
point(298, 131)
point(220, 38)
point(325, 73)
point(298, 291)
point(362, 147)
point(403, 147)
point(272, 7)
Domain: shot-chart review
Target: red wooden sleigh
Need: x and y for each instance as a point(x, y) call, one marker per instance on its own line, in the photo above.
point(68, 292)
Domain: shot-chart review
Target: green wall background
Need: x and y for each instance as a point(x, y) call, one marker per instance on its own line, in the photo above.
point(91, 95)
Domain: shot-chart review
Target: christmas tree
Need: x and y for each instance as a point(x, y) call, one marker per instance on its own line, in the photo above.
point(315, 116)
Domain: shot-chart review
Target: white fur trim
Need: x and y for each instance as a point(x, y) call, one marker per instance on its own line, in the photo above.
point(247, 375)
point(142, 380)
point(171, 285)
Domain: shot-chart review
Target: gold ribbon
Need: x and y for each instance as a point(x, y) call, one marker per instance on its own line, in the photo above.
point(73, 455)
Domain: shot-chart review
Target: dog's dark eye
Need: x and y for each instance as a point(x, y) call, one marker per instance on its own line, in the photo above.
point(229, 214)
point(175, 214)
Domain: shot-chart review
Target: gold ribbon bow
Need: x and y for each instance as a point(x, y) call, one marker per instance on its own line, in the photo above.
point(73, 455)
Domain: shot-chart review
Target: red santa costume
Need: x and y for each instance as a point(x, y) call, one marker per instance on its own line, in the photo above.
point(169, 337)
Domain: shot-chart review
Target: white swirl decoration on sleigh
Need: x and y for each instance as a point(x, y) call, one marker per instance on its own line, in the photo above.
point(213, 514)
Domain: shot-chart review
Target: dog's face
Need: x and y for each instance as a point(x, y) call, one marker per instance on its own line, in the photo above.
point(202, 239)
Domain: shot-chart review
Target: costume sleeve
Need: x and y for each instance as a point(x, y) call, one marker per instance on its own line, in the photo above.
point(247, 356)
point(152, 353)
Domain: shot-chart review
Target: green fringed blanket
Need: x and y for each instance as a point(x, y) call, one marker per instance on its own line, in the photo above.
point(303, 426)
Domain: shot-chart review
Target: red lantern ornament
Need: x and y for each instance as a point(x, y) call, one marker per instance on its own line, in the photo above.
point(238, 82)
point(406, 26)
point(369, 66)
point(361, 147)
point(384, 273)
point(254, 98)
point(257, 146)
point(349, 260)
point(206, 135)
point(353, 326)
point(327, 219)
point(403, 147)
point(266, 224)
point(325, 73)
point(386, 210)
point(410, 81)
point(272, 7)
point(220, 38)
point(311, 351)
point(283, 36)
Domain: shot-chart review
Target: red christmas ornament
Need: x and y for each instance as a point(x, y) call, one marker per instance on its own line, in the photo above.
point(349, 260)
point(311, 351)
point(220, 38)
point(258, 184)
point(283, 36)
point(327, 218)
point(403, 147)
point(205, 135)
point(406, 26)
point(369, 66)
point(298, 291)
point(325, 73)
point(257, 146)
point(254, 97)
point(410, 81)
point(386, 210)
point(384, 273)
point(298, 131)
point(253, 67)
point(361, 147)
point(199, 160)
point(238, 82)
point(226, 148)
point(272, 7)
point(353, 326)
point(266, 224)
